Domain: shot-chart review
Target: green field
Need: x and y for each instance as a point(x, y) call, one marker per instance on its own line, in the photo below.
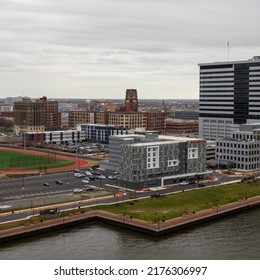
point(10, 159)
point(178, 204)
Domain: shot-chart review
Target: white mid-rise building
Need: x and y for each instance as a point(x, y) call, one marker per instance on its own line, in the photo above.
point(242, 150)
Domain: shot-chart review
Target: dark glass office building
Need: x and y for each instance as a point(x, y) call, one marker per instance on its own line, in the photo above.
point(229, 96)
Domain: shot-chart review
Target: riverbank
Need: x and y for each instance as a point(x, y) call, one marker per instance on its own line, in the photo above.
point(154, 229)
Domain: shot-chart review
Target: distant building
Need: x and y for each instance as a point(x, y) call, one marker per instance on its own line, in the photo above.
point(8, 115)
point(186, 115)
point(127, 120)
point(128, 117)
point(29, 116)
point(155, 121)
point(6, 108)
point(9, 101)
point(52, 115)
point(131, 100)
point(131, 120)
point(78, 117)
point(143, 158)
point(229, 96)
point(211, 150)
point(182, 126)
point(242, 149)
point(54, 137)
point(100, 132)
point(36, 115)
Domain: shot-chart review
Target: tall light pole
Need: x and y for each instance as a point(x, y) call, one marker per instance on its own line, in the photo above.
point(24, 122)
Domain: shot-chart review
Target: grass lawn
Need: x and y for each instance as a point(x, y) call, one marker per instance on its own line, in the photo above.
point(178, 204)
point(11, 159)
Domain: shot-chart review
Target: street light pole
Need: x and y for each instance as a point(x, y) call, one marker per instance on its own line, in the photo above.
point(24, 122)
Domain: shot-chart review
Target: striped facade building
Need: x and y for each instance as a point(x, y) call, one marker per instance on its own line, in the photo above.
point(229, 96)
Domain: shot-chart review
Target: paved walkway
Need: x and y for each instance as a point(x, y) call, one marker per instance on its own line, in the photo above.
point(156, 227)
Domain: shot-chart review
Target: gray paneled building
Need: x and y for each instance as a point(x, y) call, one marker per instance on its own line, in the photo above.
point(101, 132)
point(140, 158)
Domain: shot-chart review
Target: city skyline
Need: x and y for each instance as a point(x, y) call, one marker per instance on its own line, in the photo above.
point(86, 49)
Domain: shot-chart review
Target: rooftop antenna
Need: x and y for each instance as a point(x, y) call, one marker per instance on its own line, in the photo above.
point(228, 49)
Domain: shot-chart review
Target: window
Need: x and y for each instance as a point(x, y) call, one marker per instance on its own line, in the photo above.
point(152, 157)
point(173, 162)
point(192, 153)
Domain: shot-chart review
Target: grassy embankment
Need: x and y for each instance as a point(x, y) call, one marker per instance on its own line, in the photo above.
point(178, 204)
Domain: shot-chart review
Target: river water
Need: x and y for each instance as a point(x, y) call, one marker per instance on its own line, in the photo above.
point(235, 237)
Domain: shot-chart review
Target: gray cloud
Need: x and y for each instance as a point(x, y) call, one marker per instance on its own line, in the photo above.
point(99, 48)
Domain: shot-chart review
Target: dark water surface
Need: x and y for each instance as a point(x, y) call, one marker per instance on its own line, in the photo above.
point(236, 237)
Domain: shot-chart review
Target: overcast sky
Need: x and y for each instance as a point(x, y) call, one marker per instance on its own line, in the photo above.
point(99, 48)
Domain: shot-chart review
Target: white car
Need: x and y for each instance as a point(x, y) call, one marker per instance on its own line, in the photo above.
point(85, 181)
point(79, 175)
point(184, 183)
point(78, 190)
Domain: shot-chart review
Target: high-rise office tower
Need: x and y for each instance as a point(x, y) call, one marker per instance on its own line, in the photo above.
point(229, 96)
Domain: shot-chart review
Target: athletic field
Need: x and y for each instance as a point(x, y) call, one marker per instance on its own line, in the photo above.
point(28, 161)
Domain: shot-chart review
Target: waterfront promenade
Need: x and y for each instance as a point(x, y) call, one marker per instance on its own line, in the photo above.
point(156, 229)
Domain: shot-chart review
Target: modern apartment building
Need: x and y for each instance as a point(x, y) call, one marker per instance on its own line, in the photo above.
point(100, 132)
point(229, 96)
point(143, 158)
point(54, 137)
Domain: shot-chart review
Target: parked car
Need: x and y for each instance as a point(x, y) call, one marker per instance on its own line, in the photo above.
point(46, 184)
point(89, 188)
point(85, 181)
point(78, 190)
point(184, 183)
point(111, 177)
point(155, 195)
point(79, 175)
point(59, 182)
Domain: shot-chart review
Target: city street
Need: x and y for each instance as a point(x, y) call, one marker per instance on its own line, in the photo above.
point(30, 193)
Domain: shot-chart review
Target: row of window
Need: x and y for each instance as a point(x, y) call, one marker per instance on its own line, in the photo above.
point(238, 145)
point(235, 158)
point(237, 152)
point(246, 166)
